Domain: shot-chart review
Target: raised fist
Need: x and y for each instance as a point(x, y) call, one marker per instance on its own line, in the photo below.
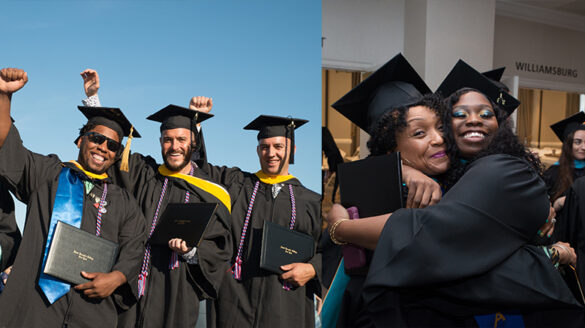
point(202, 104)
point(12, 80)
point(91, 82)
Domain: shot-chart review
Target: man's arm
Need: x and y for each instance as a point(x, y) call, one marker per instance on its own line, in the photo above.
point(11, 80)
point(91, 85)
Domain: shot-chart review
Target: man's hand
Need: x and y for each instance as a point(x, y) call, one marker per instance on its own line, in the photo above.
point(422, 190)
point(298, 274)
point(202, 104)
point(102, 284)
point(12, 80)
point(179, 245)
point(91, 82)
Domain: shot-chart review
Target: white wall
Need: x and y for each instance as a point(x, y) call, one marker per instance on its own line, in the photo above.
point(529, 42)
point(458, 29)
point(361, 35)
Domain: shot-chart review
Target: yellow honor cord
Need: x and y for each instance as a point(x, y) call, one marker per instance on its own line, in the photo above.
point(216, 190)
point(89, 174)
point(272, 179)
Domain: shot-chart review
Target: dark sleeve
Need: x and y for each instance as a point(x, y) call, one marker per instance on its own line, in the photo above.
point(131, 239)
point(231, 177)
point(199, 156)
point(21, 170)
point(494, 209)
point(330, 149)
point(550, 177)
point(313, 209)
point(214, 254)
point(140, 169)
point(9, 233)
point(570, 225)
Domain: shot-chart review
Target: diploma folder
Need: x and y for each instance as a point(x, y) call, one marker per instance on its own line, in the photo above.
point(187, 221)
point(373, 184)
point(281, 246)
point(73, 250)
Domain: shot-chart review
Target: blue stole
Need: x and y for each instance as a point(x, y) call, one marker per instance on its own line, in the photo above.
point(332, 301)
point(499, 320)
point(68, 208)
point(576, 164)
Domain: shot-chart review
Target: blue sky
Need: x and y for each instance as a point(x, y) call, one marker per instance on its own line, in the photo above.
point(252, 57)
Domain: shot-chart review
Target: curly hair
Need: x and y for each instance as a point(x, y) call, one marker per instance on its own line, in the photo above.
point(504, 141)
point(383, 134)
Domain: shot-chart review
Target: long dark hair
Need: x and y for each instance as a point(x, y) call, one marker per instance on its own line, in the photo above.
point(504, 141)
point(566, 167)
point(383, 134)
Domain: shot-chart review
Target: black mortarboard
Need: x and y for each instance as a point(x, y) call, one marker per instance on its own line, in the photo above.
point(570, 124)
point(110, 117)
point(276, 126)
point(464, 76)
point(114, 119)
point(393, 85)
point(174, 117)
point(495, 74)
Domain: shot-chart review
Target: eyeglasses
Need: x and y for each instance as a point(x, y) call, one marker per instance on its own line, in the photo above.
point(99, 139)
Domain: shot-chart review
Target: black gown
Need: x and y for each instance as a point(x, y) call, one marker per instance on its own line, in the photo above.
point(9, 233)
point(33, 178)
point(551, 175)
point(259, 299)
point(470, 255)
point(570, 225)
point(172, 296)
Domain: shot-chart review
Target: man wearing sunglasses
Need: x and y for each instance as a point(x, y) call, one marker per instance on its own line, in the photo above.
point(79, 193)
point(174, 278)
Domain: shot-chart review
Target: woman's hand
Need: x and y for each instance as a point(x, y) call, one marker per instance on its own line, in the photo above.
point(336, 213)
point(559, 203)
point(566, 253)
point(548, 227)
point(422, 190)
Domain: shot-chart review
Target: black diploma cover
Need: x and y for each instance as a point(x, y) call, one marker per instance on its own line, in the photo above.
point(373, 184)
point(74, 250)
point(183, 220)
point(281, 246)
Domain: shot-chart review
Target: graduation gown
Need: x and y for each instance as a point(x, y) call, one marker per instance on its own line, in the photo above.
point(570, 226)
point(551, 175)
point(172, 297)
point(9, 233)
point(469, 254)
point(33, 179)
point(259, 299)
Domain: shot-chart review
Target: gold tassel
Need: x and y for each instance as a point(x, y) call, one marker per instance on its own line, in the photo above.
point(126, 152)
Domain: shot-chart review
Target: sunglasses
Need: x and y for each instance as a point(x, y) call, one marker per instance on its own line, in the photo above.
point(99, 139)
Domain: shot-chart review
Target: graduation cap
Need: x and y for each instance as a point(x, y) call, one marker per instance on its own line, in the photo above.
point(393, 85)
point(277, 126)
point(174, 117)
point(495, 74)
point(114, 119)
point(570, 124)
point(464, 76)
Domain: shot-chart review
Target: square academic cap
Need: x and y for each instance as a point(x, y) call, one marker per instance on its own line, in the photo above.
point(495, 74)
point(570, 124)
point(174, 117)
point(393, 85)
point(114, 119)
point(464, 76)
point(110, 117)
point(277, 126)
